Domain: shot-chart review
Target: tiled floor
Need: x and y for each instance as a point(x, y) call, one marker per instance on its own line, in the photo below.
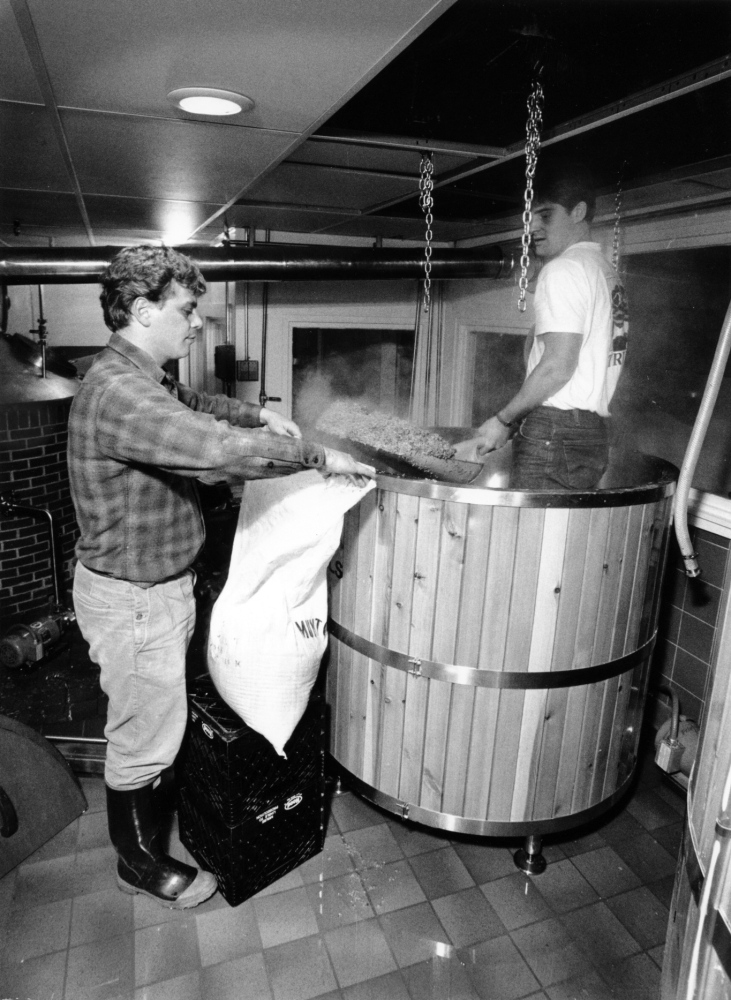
point(386, 912)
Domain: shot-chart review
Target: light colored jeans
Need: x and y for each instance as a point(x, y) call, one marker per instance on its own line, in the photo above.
point(139, 637)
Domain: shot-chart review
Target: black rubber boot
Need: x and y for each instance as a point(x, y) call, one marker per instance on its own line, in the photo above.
point(144, 866)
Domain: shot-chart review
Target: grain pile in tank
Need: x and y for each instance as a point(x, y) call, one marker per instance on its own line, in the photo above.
point(407, 448)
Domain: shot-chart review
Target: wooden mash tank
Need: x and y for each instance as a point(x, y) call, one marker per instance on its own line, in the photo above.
point(490, 648)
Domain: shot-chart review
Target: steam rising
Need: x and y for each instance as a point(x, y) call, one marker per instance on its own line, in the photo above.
point(370, 368)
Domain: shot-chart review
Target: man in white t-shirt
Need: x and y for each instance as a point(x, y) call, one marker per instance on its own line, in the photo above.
point(559, 417)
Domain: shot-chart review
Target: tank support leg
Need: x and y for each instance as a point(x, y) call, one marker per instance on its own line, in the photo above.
point(529, 858)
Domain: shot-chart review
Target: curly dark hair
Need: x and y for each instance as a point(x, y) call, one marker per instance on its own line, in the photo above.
point(565, 182)
point(144, 271)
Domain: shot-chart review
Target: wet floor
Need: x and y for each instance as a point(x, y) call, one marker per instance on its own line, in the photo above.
point(388, 911)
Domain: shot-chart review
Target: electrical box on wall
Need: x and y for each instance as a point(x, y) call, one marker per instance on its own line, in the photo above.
point(247, 371)
point(224, 362)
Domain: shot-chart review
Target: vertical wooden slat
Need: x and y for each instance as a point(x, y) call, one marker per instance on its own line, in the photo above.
point(640, 625)
point(517, 652)
point(589, 603)
point(623, 642)
point(613, 562)
point(646, 574)
point(386, 504)
point(545, 615)
point(655, 569)
point(491, 656)
point(545, 621)
point(564, 644)
point(624, 548)
point(604, 625)
point(444, 650)
point(334, 580)
point(348, 604)
point(476, 561)
point(423, 622)
point(361, 614)
point(399, 633)
point(346, 593)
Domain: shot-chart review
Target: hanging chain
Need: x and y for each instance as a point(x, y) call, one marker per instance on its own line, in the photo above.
point(532, 146)
point(426, 204)
point(617, 207)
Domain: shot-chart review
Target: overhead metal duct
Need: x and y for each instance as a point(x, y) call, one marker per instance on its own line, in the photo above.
point(272, 262)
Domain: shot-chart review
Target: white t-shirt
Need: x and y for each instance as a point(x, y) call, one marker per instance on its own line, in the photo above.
point(579, 292)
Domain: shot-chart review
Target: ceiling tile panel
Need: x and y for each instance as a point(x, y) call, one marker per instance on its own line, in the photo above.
point(399, 161)
point(153, 158)
point(38, 211)
point(271, 217)
point(17, 80)
point(329, 187)
point(295, 60)
point(29, 154)
point(174, 220)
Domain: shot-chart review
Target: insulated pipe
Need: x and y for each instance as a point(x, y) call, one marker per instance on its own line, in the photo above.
point(692, 452)
point(272, 262)
point(675, 712)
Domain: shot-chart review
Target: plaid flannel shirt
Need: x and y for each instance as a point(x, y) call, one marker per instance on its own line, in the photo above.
point(137, 441)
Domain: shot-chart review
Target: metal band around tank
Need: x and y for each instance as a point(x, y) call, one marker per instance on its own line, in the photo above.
point(519, 680)
point(491, 497)
point(479, 827)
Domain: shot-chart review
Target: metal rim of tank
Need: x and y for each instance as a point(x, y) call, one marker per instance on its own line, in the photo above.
point(661, 474)
point(479, 827)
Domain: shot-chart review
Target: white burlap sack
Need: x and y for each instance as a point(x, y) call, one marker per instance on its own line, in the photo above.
point(269, 626)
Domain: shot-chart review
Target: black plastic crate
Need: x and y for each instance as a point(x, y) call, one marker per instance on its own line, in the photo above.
point(234, 770)
point(248, 857)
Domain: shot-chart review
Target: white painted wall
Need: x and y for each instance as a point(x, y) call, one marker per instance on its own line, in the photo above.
point(73, 312)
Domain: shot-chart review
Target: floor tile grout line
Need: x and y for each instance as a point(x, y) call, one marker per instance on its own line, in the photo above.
point(361, 874)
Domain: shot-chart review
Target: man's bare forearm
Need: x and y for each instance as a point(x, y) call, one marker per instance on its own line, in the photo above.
point(545, 380)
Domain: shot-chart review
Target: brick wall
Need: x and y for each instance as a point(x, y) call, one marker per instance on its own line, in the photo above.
point(33, 439)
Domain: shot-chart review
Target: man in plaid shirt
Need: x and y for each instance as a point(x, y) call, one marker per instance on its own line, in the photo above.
point(138, 440)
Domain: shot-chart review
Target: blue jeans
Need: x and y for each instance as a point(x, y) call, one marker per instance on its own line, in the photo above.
point(139, 637)
point(560, 450)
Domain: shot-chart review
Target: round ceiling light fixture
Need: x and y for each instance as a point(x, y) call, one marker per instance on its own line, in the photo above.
point(210, 101)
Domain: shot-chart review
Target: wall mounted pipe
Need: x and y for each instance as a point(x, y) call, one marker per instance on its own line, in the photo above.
point(692, 452)
point(273, 262)
point(9, 507)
